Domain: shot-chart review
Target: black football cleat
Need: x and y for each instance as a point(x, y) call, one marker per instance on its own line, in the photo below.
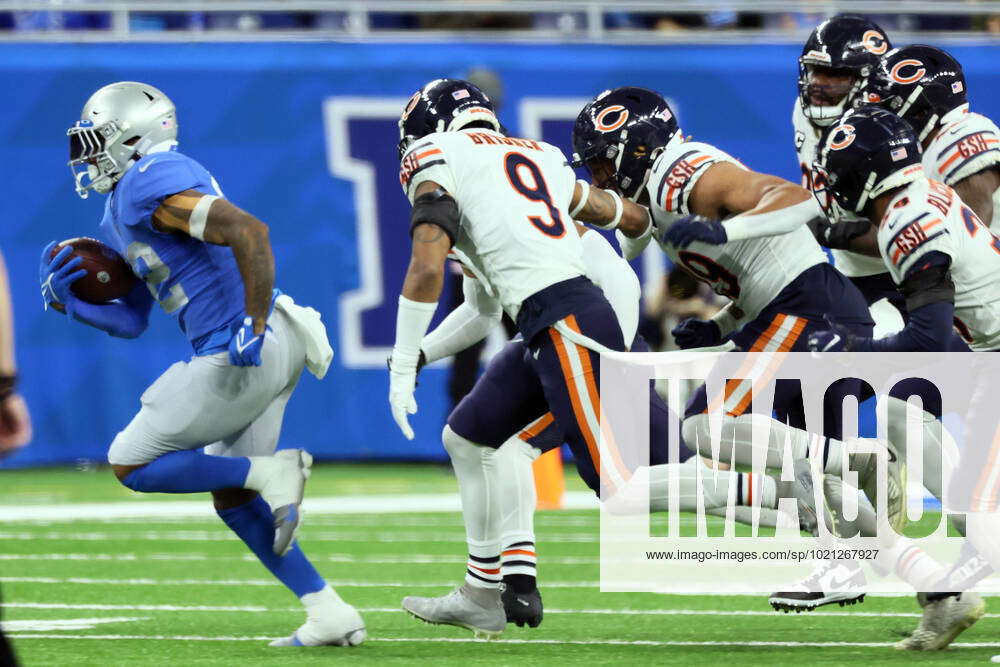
point(840, 582)
point(522, 608)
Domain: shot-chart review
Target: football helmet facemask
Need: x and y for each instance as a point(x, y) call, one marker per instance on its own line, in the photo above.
point(842, 45)
point(119, 124)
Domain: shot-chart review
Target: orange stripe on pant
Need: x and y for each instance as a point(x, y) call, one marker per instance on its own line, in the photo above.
point(595, 400)
point(772, 365)
point(581, 419)
point(536, 427)
point(785, 343)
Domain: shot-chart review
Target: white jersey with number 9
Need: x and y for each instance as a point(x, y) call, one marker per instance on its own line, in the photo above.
point(516, 233)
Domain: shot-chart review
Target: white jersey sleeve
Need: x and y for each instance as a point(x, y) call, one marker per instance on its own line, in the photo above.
point(609, 271)
point(929, 216)
point(425, 161)
point(967, 145)
point(678, 170)
point(910, 231)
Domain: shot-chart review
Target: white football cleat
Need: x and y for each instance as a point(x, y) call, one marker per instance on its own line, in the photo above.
point(335, 625)
point(943, 621)
point(478, 609)
point(842, 582)
point(281, 481)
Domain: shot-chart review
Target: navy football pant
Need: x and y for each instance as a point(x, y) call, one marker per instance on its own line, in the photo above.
point(554, 398)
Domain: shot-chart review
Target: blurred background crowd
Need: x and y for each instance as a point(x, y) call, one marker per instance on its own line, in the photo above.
point(722, 15)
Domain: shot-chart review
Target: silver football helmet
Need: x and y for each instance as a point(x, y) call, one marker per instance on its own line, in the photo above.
point(119, 124)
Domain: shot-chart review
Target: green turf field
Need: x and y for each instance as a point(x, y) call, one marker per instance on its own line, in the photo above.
point(172, 591)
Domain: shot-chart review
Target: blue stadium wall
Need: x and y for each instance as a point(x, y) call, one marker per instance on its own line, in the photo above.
point(304, 136)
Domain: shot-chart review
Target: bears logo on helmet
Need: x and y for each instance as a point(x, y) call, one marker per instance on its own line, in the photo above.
point(920, 83)
point(875, 41)
point(601, 122)
point(846, 132)
point(869, 152)
point(628, 127)
point(896, 73)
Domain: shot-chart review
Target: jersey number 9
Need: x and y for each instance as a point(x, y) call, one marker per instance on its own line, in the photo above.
point(515, 164)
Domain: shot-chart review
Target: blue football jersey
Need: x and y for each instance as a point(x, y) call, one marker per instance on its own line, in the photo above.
point(196, 282)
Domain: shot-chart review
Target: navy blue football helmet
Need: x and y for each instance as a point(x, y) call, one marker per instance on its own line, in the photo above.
point(920, 84)
point(629, 127)
point(847, 44)
point(444, 105)
point(868, 152)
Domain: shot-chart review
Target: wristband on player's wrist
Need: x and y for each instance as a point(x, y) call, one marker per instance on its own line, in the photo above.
point(583, 200)
point(8, 383)
point(619, 211)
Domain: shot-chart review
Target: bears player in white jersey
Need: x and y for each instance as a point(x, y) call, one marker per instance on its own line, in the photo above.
point(926, 87)
point(210, 265)
point(772, 268)
point(837, 58)
point(947, 264)
point(780, 284)
point(502, 206)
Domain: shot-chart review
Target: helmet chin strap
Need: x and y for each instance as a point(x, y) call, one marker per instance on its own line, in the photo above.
point(866, 193)
point(826, 115)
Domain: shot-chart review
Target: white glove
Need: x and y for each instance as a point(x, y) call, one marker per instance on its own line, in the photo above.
point(402, 382)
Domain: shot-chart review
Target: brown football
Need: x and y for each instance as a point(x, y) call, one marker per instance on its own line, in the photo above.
point(108, 275)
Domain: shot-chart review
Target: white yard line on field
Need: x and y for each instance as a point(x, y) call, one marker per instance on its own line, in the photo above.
point(399, 610)
point(469, 640)
point(86, 581)
point(375, 559)
point(311, 535)
point(374, 504)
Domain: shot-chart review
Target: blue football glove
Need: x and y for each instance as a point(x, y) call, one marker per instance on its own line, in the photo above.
point(691, 228)
point(834, 339)
point(55, 276)
point(245, 346)
point(693, 332)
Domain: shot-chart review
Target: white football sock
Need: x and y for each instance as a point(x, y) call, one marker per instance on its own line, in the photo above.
point(513, 468)
point(478, 486)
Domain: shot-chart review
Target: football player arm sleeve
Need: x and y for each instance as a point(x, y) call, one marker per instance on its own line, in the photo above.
point(123, 318)
point(466, 325)
point(977, 192)
point(930, 300)
point(764, 205)
point(214, 220)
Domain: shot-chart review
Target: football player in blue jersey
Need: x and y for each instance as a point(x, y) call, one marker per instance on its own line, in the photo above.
point(210, 265)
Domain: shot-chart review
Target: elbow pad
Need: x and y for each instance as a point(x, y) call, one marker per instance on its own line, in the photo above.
point(930, 285)
point(436, 208)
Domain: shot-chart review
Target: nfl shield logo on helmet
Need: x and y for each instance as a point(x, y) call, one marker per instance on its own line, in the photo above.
point(460, 94)
point(957, 87)
point(898, 154)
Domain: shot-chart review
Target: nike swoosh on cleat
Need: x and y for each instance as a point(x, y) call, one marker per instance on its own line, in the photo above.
point(836, 339)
